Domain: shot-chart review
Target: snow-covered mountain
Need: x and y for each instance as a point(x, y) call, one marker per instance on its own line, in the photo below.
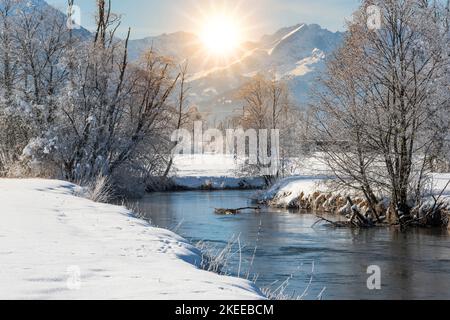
point(179, 45)
point(43, 6)
point(296, 54)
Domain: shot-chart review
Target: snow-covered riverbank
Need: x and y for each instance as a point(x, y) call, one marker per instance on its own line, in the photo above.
point(221, 172)
point(313, 193)
point(287, 191)
point(55, 245)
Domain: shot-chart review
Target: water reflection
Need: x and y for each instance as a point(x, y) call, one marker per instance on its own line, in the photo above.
point(415, 265)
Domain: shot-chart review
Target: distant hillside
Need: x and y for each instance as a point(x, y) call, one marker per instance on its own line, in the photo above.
point(296, 54)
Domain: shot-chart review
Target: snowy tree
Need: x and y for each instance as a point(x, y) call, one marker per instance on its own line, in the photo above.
point(376, 118)
point(72, 106)
point(267, 105)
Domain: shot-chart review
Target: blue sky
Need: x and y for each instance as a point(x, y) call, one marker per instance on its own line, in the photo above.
point(153, 17)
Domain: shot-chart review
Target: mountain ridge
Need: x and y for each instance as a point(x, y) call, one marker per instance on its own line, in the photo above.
point(295, 54)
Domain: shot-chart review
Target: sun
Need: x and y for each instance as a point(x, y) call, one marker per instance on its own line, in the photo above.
point(222, 29)
point(221, 34)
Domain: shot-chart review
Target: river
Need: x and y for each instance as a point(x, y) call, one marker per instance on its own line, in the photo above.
point(317, 261)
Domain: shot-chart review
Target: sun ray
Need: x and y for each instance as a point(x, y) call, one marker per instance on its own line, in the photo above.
point(221, 34)
point(222, 28)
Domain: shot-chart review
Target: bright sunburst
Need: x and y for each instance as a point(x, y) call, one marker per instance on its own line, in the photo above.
point(223, 28)
point(221, 34)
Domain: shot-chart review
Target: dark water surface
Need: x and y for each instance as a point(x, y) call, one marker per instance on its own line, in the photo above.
point(414, 265)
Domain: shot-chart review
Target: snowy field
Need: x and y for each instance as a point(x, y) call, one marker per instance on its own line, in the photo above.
point(212, 172)
point(218, 172)
point(55, 245)
point(210, 165)
point(217, 165)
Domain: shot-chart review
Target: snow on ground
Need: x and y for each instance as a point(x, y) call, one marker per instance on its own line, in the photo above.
point(440, 186)
point(211, 165)
point(308, 173)
point(440, 182)
point(217, 172)
point(218, 165)
point(48, 235)
point(288, 190)
point(211, 171)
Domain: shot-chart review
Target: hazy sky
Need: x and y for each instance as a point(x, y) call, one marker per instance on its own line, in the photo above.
point(153, 17)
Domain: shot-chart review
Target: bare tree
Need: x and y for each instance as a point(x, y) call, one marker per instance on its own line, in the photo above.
point(13, 131)
point(100, 113)
point(381, 100)
point(180, 112)
point(267, 106)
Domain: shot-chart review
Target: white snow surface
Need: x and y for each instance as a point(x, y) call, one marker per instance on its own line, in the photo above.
point(46, 232)
point(221, 171)
point(307, 65)
point(222, 165)
point(211, 171)
point(440, 186)
point(285, 37)
point(288, 190)
point(211, 165)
